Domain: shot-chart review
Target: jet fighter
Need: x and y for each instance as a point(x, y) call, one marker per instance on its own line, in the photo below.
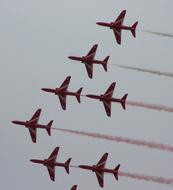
point(32, 125)
point(51, 163)
point(89, 60)
point(106, 98)
point(100, 169)
point(117, 26)
point(62, 92)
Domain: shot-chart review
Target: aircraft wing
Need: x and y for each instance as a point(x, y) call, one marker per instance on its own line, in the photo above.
point(89, 68)
point(62, 99)
point(102, 161)
point(65, 84)
point(51, 171)
point(54, 155)
point(100, 177)
point(92, 52)
point(109, 92)
point(107, 106)
point(35, 117)
point(33, 134)
point(117, 33)
point(120, 18)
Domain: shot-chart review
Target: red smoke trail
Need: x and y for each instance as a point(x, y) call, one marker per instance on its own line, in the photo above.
point(158, 146)
point(150, 106)
point(167, 74)
point(155, 179)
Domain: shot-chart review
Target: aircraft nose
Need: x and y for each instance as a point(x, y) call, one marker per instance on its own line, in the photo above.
point(15, 122)
point(99, 23)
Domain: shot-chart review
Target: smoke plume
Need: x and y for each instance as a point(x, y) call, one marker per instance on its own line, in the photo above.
point(152, 145)
point(158, 33)
point(155, 179)
point(160, 73)
point(150, 106)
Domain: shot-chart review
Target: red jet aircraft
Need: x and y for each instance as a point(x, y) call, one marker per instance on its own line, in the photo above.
point(51, 163)
point(89, 60)
point(106, 98)
point(74, 187)
point(62, 92)
point(32, 125)
point(117, 26)
point(100, 169)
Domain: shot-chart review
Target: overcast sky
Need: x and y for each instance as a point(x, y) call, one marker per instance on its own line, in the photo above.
point(36, 37)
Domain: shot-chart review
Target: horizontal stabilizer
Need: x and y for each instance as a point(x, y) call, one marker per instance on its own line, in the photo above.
point(105, 63)
point(67, 165)
point(78, 94)
point(116, 170)
point(123, 101)
point(133, 29)
point(48, 128)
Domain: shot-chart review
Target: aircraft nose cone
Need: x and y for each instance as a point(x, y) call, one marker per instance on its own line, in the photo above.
point(15, 122)
point(98, 23)
point(44, 89)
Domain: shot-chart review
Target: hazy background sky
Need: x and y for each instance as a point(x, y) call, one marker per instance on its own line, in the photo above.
point(36, 37)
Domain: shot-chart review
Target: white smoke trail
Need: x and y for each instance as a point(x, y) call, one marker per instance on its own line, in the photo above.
point(155, 179)
point(158, 33)
point(152, 145)
point(155, 72)
point(150, 106)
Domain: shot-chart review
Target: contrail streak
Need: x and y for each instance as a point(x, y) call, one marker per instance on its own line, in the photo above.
point(158, 33)
point(155, 72)
point(150, 106)
point(152, 145)
point(155, 179)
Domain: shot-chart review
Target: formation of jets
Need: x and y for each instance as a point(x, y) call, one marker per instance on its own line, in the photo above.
point(62, 92)
point(99, 168)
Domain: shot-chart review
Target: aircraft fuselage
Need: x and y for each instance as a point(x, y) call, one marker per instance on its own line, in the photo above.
point(59, 91)
point(95, 168)
point(48, 163)
point(104, 98)
point(27, 124)
point(84, 60)
point(114, 26)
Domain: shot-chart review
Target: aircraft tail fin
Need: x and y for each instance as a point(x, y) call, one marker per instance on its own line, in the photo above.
point(78, 94)
point(105, 63)
point(123, 101)
point(66, 166)
point(116, 170)
point(48, 128)
point(133, 29)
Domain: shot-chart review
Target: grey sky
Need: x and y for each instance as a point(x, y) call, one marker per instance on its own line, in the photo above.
point(36, 37)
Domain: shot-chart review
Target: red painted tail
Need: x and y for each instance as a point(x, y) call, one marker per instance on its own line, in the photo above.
point(133, 29)
point(123, 101)
point(48, 128)
point(105, 63)
point(116, 169)
point(78, 94)
point(66, 166)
